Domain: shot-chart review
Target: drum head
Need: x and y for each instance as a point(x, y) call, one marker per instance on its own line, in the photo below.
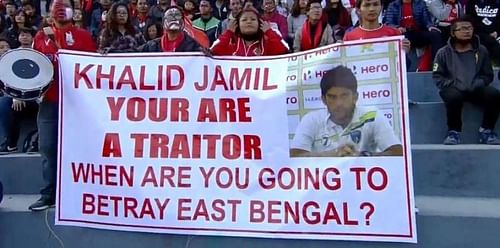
point(25, 69)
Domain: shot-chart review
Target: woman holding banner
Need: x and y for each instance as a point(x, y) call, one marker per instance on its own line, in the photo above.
point(248, 35)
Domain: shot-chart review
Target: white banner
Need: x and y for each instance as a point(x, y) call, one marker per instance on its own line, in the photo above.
point(185, 144)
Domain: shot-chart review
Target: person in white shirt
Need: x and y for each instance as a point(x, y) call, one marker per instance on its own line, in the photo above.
point(343, 129)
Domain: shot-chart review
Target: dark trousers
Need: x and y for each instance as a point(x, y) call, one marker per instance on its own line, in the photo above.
point(10, 120)
point(47, 131)
point(492, 45)
point(486, 97)
point(425, 38)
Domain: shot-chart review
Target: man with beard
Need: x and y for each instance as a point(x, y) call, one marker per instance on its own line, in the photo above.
point(62, 35)
point(174, 39)
point(343, 129)
point(462, 72)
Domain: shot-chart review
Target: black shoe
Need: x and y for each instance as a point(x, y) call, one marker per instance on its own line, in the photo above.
point(7, 149)
point(32, 149)
point(42, 204)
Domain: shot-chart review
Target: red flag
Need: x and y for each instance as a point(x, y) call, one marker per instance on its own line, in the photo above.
point(196, 34)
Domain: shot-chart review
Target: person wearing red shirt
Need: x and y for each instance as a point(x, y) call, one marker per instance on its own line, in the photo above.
point(370, 28)
point(249, 36)
point(62, 35)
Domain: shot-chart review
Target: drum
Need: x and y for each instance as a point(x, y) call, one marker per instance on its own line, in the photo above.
point(26, 73)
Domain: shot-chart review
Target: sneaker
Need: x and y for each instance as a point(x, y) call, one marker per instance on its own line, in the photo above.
point(453, 138)
point(42, 204)
point(7, 149)
point(32, 149)
point(488, 137)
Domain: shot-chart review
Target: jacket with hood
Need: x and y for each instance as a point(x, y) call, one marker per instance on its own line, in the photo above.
point(446, 67)
point(485, 15)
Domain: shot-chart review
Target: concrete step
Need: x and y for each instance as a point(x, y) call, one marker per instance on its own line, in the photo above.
point(442, 222)
point(421, 87)
point(428, 123)
point(21, 173)
point(462, 170)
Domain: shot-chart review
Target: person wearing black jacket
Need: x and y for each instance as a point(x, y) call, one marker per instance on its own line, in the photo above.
point(462, 72)
point(174, 39)
point(486, 24)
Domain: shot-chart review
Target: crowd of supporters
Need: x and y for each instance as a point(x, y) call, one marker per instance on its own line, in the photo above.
point(126, 26)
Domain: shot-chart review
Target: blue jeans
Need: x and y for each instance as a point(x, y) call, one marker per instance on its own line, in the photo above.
point(47, 131)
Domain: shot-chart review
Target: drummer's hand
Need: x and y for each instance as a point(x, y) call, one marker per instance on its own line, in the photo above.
point(18, 105)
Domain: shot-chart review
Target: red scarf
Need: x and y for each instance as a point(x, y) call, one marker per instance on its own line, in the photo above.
point(171, 45)
point(306, 43)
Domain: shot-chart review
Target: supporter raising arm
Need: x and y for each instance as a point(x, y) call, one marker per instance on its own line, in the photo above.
point(247, 36)
point(62, 35)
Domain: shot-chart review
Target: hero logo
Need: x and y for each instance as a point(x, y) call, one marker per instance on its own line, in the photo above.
point(370, 69)
point(486, 11)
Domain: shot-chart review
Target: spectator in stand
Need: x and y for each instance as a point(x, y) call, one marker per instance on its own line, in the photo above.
point(414, 21)
point(338, 18)
point(207, 22)
point(13, 33)
point(78, 19)
point(99, 17)
point(462, 72)
point(315, 32)
point(10, 13)
point(158, 11)
point(5, 110)
point(277, 21)
point(297, 17)
point(32, 17)
point(26, 37)
point(190, 10)
point(220, 9)
point(174, 38)
point(86, 9)
point(249, 4)
point(445, 12)
point(153, 31)
point(235, 7)
point(132, 8)
point(370, 27)
point(2, 24)
point(142, 16)
point(118, 34)
point(62, 35)
point(248, 35)
point(486, 24)
point(281, 8)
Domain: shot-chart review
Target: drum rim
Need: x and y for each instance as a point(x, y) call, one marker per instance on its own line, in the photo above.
point(41, 55)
